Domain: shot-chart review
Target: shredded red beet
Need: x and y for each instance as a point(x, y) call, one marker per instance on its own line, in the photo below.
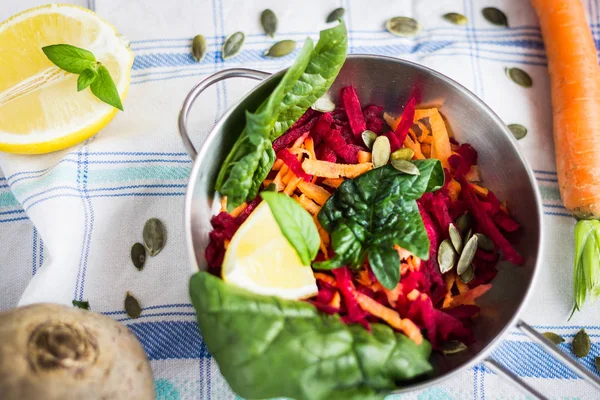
point(353, 110)
point(292, 162)
point(461, 163)
point(343, 278)
point(326, 153)
point(375, 124)
point(505, 222)
point(406, 122)
point(372, 111)
point(394, 143)
point(288, 138)
point(347, 152)
point(463, 311)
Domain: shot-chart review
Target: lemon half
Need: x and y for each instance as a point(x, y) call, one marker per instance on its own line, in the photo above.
point(260, 259)
point(40, 108)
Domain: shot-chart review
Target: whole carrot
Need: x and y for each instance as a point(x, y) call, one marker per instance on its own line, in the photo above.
point(575, 88)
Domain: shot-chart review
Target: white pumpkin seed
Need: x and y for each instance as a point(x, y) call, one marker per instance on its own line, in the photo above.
point(484, 242)
point(381, 151)
point(368, 138)
point(406, 166)
point(467, 255)
point(518, 76)
point(402, 26)
point(336, 14)
point(268, 20)
point(324, 104)
point(199, 48)
point(464, 222)
point(518, 131)
point(468, 275)
point(455, 238)
point(280, 49)
point(446, 256)
point(405, 153)
point(455, 18)
point(495, 16)
point(232, 45)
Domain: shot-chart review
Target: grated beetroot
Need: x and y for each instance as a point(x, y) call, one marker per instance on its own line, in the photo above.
point(347, 152)
point(408, 115)
point(292, 162)
point(355, 314)
point(288, 138)
point(353, 110)
point(394, 143)
point(326, 153)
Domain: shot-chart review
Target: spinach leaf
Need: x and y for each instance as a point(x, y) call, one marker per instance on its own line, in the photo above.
point(370, 214)
point(306, 80)
point(269, 347)
point(296, 224)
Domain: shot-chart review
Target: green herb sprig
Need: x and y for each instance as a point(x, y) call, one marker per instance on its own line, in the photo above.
point(92, 73)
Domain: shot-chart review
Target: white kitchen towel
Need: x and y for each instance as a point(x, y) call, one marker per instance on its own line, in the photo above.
point(68, 219)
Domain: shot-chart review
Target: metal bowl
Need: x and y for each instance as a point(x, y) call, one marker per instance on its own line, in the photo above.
point(388, 82)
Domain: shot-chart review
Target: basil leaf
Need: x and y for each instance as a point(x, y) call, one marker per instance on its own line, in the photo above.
point(370, 214)
point(296, 224)
point(86, 78)
point(268, 347)
point(104, 88)
point(69, 58)
point(308, 78)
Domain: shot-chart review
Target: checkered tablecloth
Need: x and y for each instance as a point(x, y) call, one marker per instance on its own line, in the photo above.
point(68, 219)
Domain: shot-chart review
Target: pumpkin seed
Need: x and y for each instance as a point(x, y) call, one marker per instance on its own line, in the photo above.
point(406, 166)
point(468, 275)
point(453, 347)
point(271, 187)
point(597, 362)
point(402, 26)
point(138, 255)
point(268, 20)
point(464, 222)
point(233, 44)
point(81, 304)
point(467, 255)
point(405, 153)
point(324, 104)
point(456, 18)
point(495, 16)
point(581, 344)
point(199, 48)
point(553, 337)
point(282, 48)
point(368, 138)
point(336, 14)
point(155, 236)
point(381, 151)
point(518, 131)
point(484, 242)
point(467, 236)
point(132, 306)
point(455, 238)
point(446, 256)
point(518, 76)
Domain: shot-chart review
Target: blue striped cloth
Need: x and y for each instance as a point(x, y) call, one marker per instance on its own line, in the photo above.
point(68, 219)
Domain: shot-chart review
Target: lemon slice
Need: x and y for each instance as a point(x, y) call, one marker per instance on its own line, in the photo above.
point(260, 259)
point(40, 108)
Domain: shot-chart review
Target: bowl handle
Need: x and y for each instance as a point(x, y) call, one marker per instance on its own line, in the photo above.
point(551, 348)
point(201, 87)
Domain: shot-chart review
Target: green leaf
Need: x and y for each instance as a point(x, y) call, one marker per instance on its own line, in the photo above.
point(370, 214)
point(86, 78)
point(306, 80)
point(69, 58)
point(586, 269)
point(104, 88)
point(268, 347)
point(81, 304)
point(296, 225)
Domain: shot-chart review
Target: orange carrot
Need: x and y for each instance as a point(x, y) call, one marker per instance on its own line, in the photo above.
point(277, 164)
point(224, 204)
point(309, 145)
point(314, 192)
point(469, 297)
point(473, 175)
point(416, 147)
point(413, 295)
point(480, 190)
point(330, 280)
point(449, 278)
point(392, 295)
point(333, 182)
point(336, 300)
point(575, 89)
point(292, 184)
point(308, 204)
point(332, 170)
point(238, 210)
point(453, 189)
point(460, 285)
point(364, 156)
point(323, 235)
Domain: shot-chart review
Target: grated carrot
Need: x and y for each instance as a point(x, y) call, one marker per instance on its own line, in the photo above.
point(391, 121)
point(426, 140)
point(288, 176)
point(323, 235)
point(308, 204)
point(481, 191)
point(299, 151)
point(402, 253)
point(414, 263)
point(363, 278)
point(413, 295)
point(224, 204)
point(328, 279)
point(440, 148)
point(390, 316)
point(292, 184)
point(469, 297)
point(314, 192)
point(225, 244)
point(392, 295)
point(425, 113)
point(267, 182)
point(473, 175)
point(277, 165)
point(327, 169)
point(461, 286)
point(449, 278)
point(238, 210)
point(309, 145)
point(300, 140)
point(408, 142)
point(454, 189)
point(426, 149)
point(404, 268)
point(336, 300)
point(364, 156)
point(424, 129)
point(278, 180)
point(333, 182)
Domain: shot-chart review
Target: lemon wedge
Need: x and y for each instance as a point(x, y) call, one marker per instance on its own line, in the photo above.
point(40, 108)
point(260, 259)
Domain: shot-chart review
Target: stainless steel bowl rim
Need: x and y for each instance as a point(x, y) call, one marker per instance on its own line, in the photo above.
point(481, 356)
